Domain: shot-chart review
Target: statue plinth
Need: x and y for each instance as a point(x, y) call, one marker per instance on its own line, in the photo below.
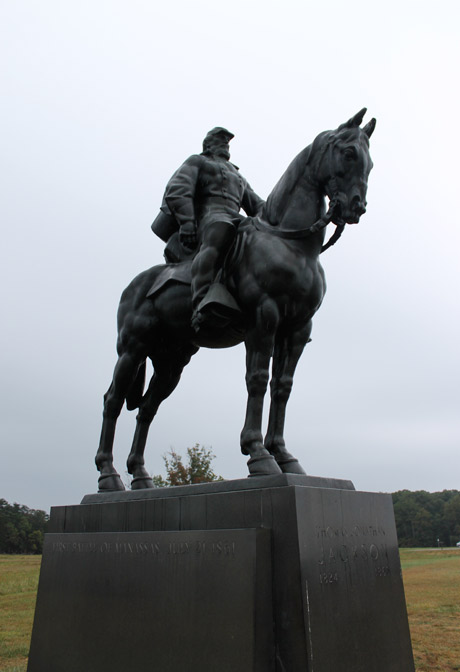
point(274, 574)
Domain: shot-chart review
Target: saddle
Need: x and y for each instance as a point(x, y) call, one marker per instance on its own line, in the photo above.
point(219, 306)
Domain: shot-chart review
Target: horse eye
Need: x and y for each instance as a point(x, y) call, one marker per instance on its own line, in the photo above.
point(350, 154)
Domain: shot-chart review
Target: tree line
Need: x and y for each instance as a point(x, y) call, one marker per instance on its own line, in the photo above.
point(427, 518)
point(21, 529)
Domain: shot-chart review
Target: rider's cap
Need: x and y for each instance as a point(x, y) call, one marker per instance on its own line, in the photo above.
point(218, 130)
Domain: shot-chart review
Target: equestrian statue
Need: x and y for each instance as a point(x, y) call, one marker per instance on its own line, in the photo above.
point(230, 278)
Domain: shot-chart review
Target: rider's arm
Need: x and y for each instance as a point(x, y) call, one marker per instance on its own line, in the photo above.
point(180, 191)
point(252, 203)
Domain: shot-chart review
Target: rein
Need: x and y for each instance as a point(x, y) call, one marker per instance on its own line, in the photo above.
point(298, 234)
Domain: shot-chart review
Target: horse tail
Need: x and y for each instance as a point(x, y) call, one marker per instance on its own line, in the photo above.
point(136, 390)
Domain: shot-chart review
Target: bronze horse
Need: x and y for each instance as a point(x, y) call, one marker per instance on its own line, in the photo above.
point(278, 283)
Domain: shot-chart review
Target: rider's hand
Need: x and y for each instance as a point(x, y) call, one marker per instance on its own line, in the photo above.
point(187, 235)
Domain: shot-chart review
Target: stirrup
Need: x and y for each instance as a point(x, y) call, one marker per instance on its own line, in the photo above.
point(216, 310)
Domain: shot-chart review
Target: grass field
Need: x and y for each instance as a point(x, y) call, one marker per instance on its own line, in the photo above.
point(18, 588)
point(432, 585)
point(431, 579)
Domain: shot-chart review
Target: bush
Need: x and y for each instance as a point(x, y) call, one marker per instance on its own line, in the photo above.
point(197, 470)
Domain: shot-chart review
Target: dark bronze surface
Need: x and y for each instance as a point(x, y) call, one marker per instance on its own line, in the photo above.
point(273, 282)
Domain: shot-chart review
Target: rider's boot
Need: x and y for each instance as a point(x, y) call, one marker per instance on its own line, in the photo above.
point(208, 311)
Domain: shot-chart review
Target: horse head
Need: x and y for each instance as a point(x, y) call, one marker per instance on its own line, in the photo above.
point(344, 168)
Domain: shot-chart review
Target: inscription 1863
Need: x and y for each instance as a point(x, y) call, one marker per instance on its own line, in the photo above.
point(343, 547)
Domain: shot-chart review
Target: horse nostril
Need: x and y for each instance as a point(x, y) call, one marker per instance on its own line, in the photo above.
point(358, 206)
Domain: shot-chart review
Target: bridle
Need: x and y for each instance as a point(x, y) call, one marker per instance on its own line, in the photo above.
point(326, 219)
point(322, 222)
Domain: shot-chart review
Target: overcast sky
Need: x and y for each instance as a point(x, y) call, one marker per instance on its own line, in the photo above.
point(102, 101)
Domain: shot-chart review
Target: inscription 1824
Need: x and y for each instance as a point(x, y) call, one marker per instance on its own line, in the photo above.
point(343, 547)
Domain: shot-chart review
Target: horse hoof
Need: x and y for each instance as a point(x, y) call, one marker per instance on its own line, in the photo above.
point(291, 465)
point(264, 465)
point(110, 483)
point(142, 483)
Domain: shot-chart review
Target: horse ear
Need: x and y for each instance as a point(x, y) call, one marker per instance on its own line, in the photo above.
point(354, 121)
point(357, 119)
point(369, 128)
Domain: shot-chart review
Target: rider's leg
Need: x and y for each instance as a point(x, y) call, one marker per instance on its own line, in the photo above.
point(215, 241)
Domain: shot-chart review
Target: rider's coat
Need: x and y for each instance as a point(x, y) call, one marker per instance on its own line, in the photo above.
point(208, 188)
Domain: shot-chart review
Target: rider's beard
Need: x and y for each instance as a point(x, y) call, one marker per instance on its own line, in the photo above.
point(222, 151)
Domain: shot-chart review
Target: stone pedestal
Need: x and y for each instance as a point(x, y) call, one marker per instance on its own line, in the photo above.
point(274, 574)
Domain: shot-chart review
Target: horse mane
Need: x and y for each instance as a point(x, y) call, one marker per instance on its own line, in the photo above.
point(279, 196)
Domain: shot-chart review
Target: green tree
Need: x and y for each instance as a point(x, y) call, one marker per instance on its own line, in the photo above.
point(423, 525)
point(21, 528)
point(452, 518)
point(405, 510)
point(197, 469)
point(423, 518)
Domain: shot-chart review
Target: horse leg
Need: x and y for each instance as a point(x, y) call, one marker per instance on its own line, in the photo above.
point(288, 349)
point(163, 382)
point(123, 376)
point(259, 348)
